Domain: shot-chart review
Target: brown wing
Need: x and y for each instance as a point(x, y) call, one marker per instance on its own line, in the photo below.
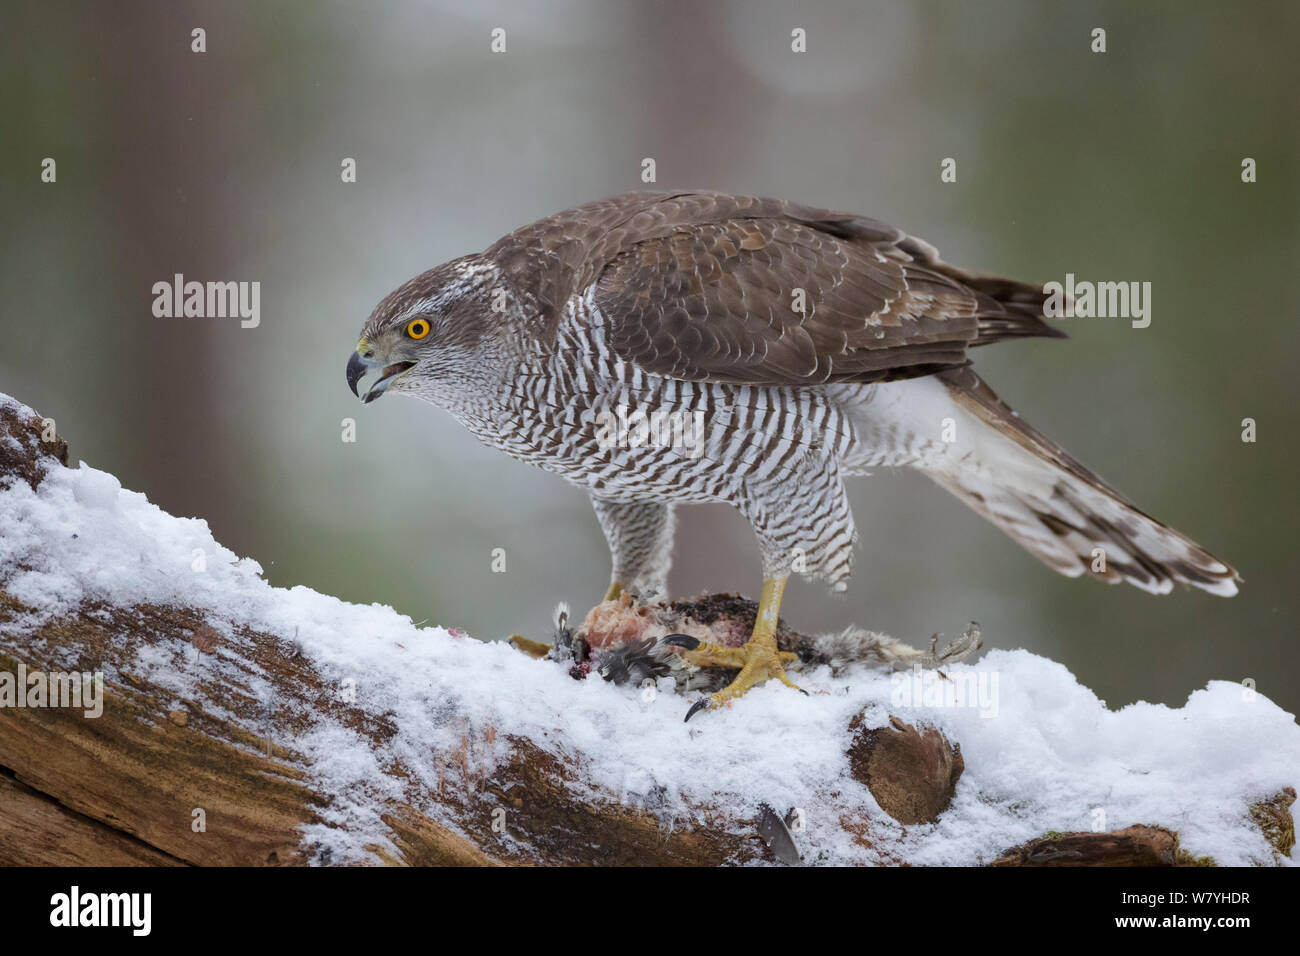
point(710, 287)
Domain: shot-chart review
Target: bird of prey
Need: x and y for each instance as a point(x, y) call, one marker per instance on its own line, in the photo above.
point(781, 349)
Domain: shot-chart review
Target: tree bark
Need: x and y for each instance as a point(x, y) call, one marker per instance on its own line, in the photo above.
point(215, 779)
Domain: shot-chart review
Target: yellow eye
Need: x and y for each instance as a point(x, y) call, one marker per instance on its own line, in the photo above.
point(417, 328)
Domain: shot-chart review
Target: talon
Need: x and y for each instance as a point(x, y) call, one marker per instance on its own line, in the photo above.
point(701, 704)
point(703, 654)
point(758, 659)
point(791, 684)
point(682, 640)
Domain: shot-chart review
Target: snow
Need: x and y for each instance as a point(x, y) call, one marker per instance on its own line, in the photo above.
point(1041, 751)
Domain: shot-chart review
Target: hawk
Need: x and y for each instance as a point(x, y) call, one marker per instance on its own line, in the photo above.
point(781, 349)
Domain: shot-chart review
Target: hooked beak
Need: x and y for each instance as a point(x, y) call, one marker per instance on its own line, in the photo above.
point(358, 366)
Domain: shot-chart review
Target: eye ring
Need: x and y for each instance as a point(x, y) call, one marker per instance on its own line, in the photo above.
point(417, 328)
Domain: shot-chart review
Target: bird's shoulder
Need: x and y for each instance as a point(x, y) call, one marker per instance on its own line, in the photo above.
point(708, 286)
point(595, 233)
point(562, 255)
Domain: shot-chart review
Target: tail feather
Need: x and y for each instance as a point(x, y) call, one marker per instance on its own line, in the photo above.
point(1057, 509)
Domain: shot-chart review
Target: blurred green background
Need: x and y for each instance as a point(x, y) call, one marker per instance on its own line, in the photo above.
point(225, 166)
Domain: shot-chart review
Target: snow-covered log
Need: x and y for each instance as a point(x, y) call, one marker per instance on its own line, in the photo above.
point(160, 703)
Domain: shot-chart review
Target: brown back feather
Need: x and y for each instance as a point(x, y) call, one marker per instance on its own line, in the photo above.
point(701, 286)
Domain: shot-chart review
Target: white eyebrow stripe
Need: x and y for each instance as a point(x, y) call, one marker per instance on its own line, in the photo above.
point(429, 304)
point(470, 277)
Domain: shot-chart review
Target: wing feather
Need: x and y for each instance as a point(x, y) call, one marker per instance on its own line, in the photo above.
point(711, 287)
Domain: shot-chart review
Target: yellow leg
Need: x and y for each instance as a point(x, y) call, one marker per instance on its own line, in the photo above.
point(615, 591)
point(758, 659)
point(530, 647)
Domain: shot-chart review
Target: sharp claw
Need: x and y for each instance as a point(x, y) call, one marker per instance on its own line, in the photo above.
point(682, 640)
point(792, 685)
point(698, 706)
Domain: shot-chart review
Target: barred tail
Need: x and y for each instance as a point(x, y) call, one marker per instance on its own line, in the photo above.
point(1056, 508)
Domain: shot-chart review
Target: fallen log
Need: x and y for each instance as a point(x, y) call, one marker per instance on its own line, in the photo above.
point(220, 721)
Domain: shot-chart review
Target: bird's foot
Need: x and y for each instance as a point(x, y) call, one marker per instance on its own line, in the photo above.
point(565, 638)
point(528, 646)
point(956, 650)
point(758, 660)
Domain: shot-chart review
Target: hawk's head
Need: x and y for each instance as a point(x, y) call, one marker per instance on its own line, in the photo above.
point(428, 330)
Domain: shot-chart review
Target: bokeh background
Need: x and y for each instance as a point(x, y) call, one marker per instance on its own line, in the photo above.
point(226, 166)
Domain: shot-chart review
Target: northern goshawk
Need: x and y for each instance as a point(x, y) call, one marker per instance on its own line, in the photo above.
point(663, 349)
